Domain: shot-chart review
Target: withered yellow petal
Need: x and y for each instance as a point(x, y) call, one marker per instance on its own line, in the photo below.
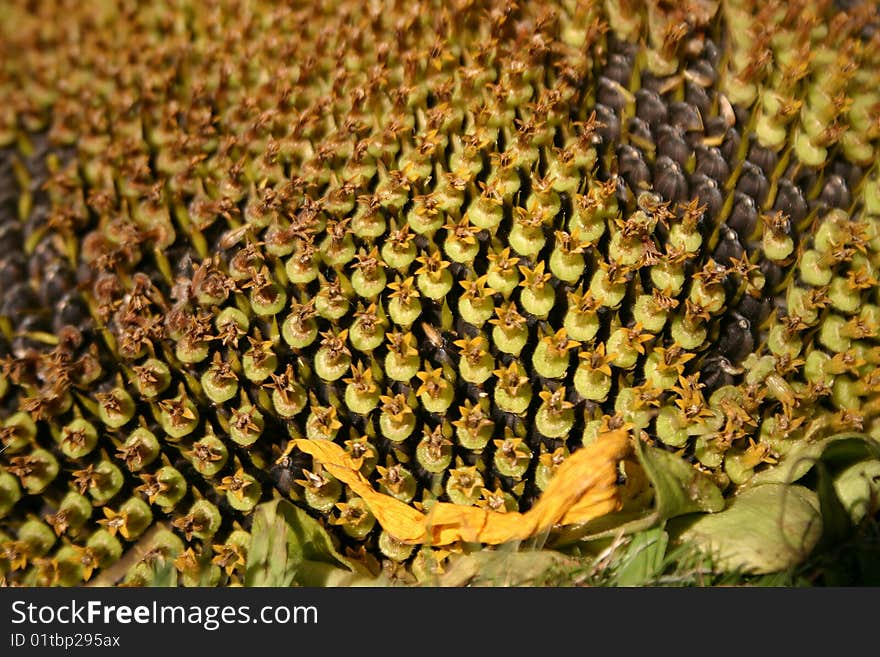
point(583, 488)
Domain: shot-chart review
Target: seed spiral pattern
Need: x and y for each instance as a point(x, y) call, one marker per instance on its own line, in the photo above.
point(460, 239)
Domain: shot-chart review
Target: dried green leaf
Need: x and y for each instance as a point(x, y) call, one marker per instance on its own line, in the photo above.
point(503, 567)
point(796, 463)
point(858, 488)
point(289, 547)
point(764, 529)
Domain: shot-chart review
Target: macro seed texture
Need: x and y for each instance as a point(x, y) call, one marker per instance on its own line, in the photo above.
point(461, 240)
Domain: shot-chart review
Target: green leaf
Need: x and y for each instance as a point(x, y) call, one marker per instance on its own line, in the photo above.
point(678, 489)
point(283, 556)
point(506, 566)
point(797, 462)
point(267, 555)
point(289, 547)
point(306, 535)
point(858, 488)
point(764, 529)
point(644, 558)
point(852, 453)
point(836, 523)
point(318, 573)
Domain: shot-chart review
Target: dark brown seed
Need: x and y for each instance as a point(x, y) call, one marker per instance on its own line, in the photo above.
point(835, 193)
point(773, 275)
point(30, 323)
point(790, 201)
point(71, 310)
point(711, 53)
point(610, 94)
point(851, 173)
point(729, 247)
point(765, 158)
point(640, 128)
point(737, 339)
point(711, 162)
point(708, 192)
point(654, 83)
point(618, 68)
point(717, 371)
point(632, 167)
point(17, 300)
point(13, 267)
point(685, 116)
point(730, 145)
point(669, 180)
point(609, 124)
point(752, 182)
point(10, 238)
point(715, 126)
point(755, 309)
point(650, 107)
point(671, 142)
point(57, 280)
point(696, 96)
point(743, 216)
point(703, 69)
point(801, 176)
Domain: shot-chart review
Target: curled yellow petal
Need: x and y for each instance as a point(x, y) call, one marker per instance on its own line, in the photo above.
point(402, 521)
point(449, 523)
point(585, 487)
